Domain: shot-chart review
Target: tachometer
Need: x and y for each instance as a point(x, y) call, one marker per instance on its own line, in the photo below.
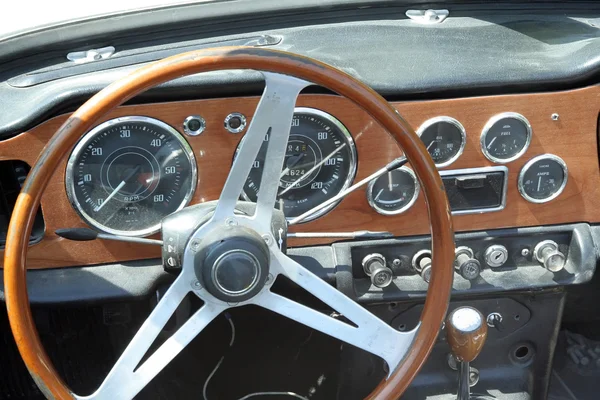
point(320, 161)
point(128, 173)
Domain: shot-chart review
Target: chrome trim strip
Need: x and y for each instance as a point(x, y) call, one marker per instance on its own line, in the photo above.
point(491, 123)
point(451, 121)
point(528, 165)
point(412, 201)
point(89, 136)
point(473, 171)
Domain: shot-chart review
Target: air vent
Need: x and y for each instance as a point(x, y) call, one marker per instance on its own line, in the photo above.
point(12, 177)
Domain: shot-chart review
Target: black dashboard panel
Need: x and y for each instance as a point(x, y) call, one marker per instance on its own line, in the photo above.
point(535, 47)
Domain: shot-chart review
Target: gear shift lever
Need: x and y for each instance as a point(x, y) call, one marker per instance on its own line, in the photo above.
point(466, 332)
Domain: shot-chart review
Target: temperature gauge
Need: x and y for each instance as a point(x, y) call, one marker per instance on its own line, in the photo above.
point(394, 192)
point(543, 178)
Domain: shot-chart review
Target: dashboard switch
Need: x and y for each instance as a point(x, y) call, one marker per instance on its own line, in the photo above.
point(375, 267)
point(547, 253)
point(495, 256)
point(466, 264)
point(421, 263)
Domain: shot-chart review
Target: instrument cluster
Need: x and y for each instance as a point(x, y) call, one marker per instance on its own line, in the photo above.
point(504, 138)
point(125, 175)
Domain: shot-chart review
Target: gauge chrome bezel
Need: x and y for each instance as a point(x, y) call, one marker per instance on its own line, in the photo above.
point(408, 205)
point(528, 165)
point(452, 121)
point(491, 122)
point(197, 132)
point(353, 157)
point(89, 136)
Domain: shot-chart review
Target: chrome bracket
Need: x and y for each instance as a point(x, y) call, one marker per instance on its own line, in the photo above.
point(428, 17)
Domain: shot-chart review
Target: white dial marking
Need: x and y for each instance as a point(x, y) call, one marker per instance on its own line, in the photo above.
point(302, 177)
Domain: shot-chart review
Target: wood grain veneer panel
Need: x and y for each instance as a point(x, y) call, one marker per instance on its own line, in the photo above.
point(573, 138)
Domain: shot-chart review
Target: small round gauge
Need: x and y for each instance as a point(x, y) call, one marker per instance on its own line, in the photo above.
point(444, 138)
point(320, 161)
point(394, 192)
point(543, 178)
point(505, 137)
point(127, 174)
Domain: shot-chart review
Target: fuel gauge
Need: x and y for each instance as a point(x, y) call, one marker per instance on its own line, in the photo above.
point(505, 137)
point(394, 192)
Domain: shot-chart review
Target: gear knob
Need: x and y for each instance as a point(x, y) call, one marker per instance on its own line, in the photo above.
point(466, 332)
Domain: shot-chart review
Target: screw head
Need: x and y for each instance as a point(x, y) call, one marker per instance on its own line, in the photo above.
point(396, 262)
point(525, 252)
point(267, 239)
point(196, 285)
point(231, 222)
point(269, 279)
point(555, 117)
point(195, 245)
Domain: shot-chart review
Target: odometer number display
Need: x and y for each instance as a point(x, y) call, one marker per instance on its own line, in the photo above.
point(128, 173)
point(320, 161)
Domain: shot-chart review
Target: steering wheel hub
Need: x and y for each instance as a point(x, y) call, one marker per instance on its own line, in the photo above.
point(233, 264)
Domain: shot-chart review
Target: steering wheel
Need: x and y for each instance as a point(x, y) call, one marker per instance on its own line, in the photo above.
point(230, 260)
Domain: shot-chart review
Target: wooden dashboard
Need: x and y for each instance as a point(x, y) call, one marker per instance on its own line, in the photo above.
point(573, 137)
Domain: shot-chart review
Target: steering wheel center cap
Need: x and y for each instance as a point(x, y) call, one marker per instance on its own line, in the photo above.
point(236, 271)
point(233, 264)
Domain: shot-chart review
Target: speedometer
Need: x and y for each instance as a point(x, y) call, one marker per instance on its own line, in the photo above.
point(320, 161)
point(127, 174)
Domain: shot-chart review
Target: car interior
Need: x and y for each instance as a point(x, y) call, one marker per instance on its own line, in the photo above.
point(314, 200)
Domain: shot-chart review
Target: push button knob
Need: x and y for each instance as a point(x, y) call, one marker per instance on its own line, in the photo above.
point(375, 267)
point(421, 263)
point(466, 264)
point(547, 253)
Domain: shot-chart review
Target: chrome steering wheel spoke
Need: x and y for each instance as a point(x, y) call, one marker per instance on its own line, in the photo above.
point(369, 333)
point(273, 117)
point(125, 380)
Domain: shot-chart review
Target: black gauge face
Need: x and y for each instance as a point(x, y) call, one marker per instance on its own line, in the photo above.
point(394, 192)
point(127, 174)
point(320, 161)
point(543, 178)
point(505, 137)
point(444, 138)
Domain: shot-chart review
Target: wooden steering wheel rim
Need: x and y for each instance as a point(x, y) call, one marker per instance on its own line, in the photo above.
point(436, 304)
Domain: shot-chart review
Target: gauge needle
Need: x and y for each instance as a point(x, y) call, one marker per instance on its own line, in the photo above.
point(293, 164)
point(539, 183)
point(311, 170)
point(390, 184)
point(492, 142)
point(110, 196)
point(378, 194)
point(119, 187)
point(430, 144)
